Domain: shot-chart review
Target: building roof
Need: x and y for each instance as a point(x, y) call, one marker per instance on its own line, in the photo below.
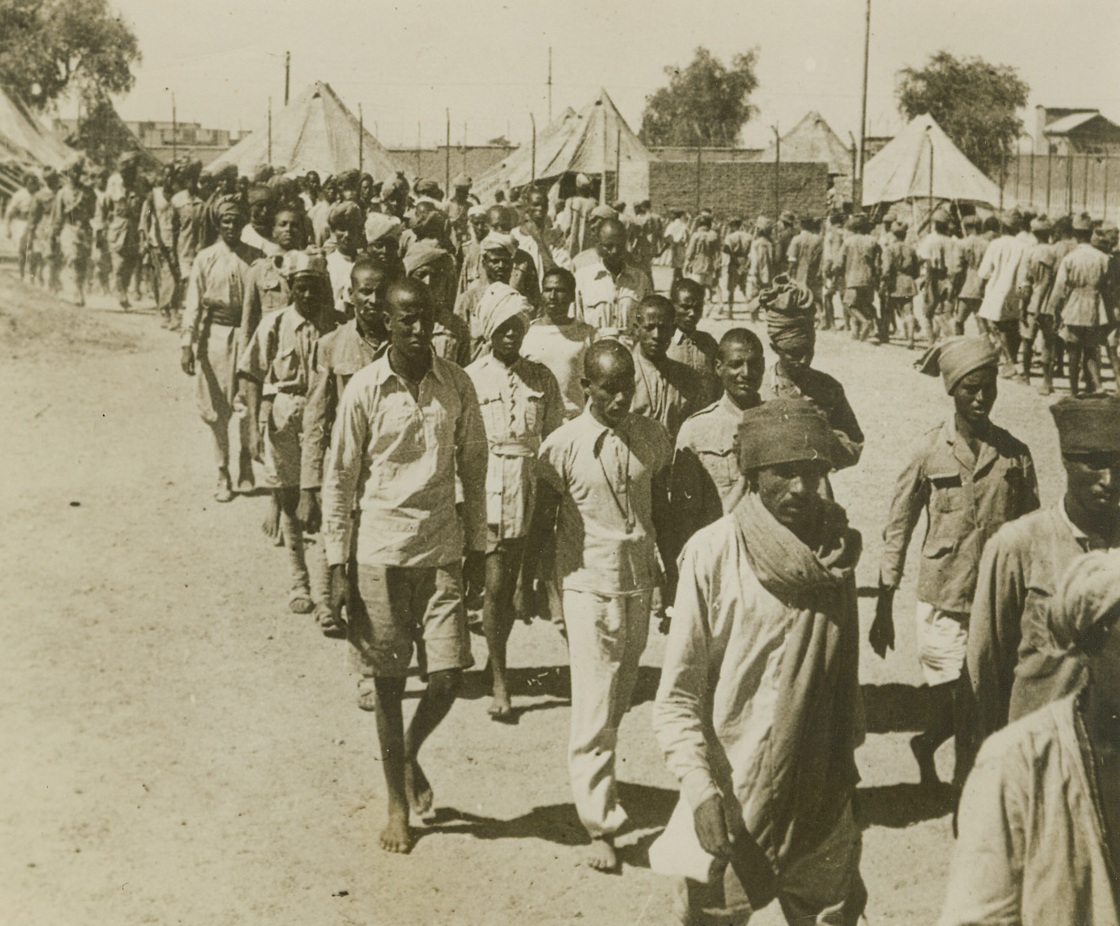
point(314, 132)
point(812, 139)
point(1071, 124)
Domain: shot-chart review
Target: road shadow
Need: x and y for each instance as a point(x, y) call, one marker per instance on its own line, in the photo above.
point(549, 682)
point(901, 805)
point(648, 808)
point(895, 708)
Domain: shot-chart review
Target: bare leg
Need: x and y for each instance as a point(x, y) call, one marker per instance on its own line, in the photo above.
point(939, 727)
point(396, 837)
point(299, 600)
point(219, 435)
point(1073, 358)
point(497, 620)
point(443, 688)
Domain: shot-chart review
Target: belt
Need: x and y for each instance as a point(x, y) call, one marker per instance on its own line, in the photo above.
point(514, 449)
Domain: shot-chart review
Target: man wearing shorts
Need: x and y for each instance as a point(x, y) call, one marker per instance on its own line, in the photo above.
point(408, 425)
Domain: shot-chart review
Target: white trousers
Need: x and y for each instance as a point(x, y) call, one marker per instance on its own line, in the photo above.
point(606, 638)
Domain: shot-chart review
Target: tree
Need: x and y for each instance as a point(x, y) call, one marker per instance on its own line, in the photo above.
point(705, 104)
point(975, 102)
point(52, 47)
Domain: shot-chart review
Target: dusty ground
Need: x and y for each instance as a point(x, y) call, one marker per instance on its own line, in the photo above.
point(181, 749)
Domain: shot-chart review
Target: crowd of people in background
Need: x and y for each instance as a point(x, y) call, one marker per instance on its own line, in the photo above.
point(470, 413)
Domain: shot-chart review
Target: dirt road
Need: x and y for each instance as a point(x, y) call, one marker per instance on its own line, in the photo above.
point(181, 749)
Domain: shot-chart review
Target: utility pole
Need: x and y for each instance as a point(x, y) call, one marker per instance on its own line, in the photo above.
point(270, 131)
point(447, 157)
point(174, 129)
point(857, 182)
point(777, 171)
point(533, 154)
point(550, 85)
point(361, 137)
point(418, 143)
point(287, 75)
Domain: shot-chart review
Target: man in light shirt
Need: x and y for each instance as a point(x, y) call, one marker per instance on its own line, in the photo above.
point(409, 425)
point(608, 291)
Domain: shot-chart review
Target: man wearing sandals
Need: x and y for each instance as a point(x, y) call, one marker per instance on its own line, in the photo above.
point(408, 426)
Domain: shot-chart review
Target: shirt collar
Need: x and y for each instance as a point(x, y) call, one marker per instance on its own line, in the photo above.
point(382, 370)
point(598, 430)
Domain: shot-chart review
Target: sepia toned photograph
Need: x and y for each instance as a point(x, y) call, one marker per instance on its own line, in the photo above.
point(626, 465)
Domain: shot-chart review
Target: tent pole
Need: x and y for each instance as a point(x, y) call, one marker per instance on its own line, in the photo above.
point(447, 157)
point(533, 162)
point(270, 131)
point(618, 163)
point(930, 140)
point(603, 176)
point(361, 136)
point(777, 171)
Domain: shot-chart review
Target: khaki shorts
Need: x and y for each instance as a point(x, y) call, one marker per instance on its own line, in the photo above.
point(282, 435)
point(395, 606)
point(942, 642)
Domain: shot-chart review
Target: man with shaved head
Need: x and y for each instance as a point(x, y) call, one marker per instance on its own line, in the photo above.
point(408, 432)
point(707, 481)
point(608, 290)
point(602, 488)
point(666, 390)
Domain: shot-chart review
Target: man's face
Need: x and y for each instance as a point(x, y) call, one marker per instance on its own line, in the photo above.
point(690, 306)
point(305, 288)
point(260, 216)
point(740, 368)
point(346, 238)
point(478, 223)
point(505, 344)
point(229, 227)
point(498, 265)
point(367, 292)
point(538, 209)
point(611, 391)
point(409, 320)
point(557, 295)
point(653, 330)
point(311, 184)
point(791, 493)
point(796, 359)
point(612, 247)
point(385, 248)
point(975, 395)
point(286, 230)
point(1093, 480)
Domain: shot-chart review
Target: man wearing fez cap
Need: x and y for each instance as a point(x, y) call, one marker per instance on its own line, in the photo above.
point(1013, 664)
point(758, 710)
point(1082, 304)
point(971, 477)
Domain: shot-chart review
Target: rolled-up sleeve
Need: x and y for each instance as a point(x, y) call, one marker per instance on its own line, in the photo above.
point(682, 696)
point(342, 474)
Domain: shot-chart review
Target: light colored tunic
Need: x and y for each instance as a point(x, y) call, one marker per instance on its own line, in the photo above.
point(1005, 268)
point(607, 301)
point(668, 391)
point(521, 405)
point(561, 348)
point(1031, 850)
point(1079, 288)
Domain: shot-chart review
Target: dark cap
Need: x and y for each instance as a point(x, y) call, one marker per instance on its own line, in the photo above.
point(1088, 425)
point(785, 431)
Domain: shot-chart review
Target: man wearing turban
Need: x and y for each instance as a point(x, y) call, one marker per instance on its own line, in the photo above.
point(427, 262)
point(498, 250)
point(790, 324)
point(758, 710)
point(1014, 664)
point(1039, 838)
point(970, 477)
point(521, 405)
point(212, 311)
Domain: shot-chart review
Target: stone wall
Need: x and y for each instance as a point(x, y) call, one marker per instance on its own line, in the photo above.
point(739, 189)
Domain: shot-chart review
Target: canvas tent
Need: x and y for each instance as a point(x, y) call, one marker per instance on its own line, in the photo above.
point(813, 140)
point(902, 171)
point(519, 169)
point(23, 141)
point(314, 132)
point(597, 142)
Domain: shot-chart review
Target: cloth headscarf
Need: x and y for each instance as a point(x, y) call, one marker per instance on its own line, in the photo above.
point(226, 205)
point(310, 261)
point(1088, 425)
point(790, 313)
point(424, 253)
point(499, 241)
point(381, 225)
point(763, 223)
point(498, 305)
point(955, 358)
point(344, 214)
point(475, 211)
point(1088, 594)
point(785, 431)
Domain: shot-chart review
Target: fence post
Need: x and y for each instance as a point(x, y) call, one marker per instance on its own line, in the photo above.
point(1105, 209)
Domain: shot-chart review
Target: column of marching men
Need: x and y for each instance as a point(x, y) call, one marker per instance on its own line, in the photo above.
point(468, 412)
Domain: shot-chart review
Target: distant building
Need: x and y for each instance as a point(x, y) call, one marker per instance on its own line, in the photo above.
point(1074, 131)
point(167, 140)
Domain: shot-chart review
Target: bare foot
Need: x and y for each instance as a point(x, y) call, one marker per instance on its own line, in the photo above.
point(500, 709)
point(601, 855)
point(396, 837)
point(418, 789)
point(270, 526)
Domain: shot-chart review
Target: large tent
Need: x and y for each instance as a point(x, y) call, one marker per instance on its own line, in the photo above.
point(24, 141)
point(520, 167)
point(597, 142)
point(903, 172)
point(314, 132)
point(812, 139)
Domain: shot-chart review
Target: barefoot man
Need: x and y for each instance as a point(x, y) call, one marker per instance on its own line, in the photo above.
point(602, 484)
point(409, 423)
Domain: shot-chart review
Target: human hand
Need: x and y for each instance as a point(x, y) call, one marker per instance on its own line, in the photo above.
point(711, 828)
point(308, 511)
point(186, 361)
point(881, 636)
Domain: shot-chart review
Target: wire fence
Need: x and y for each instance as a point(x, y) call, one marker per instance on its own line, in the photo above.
point(1059, 184)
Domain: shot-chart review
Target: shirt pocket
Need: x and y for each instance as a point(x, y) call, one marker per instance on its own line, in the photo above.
point(721, 465)
point(285, 368)
point(494, 416)
point(534, 411)
point(947, 494)
point(947, 513)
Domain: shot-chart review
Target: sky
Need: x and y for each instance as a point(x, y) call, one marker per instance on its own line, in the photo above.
point(486, 61)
